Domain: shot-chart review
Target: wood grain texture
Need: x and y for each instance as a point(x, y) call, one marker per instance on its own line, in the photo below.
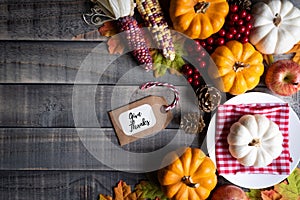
point(42, 154)
point(59, 62)
point(56, 185)
point(51, 105)
point(43, 20)
point(66, 149)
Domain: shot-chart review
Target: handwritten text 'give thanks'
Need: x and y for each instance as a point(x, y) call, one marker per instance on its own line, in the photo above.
point(137, 121)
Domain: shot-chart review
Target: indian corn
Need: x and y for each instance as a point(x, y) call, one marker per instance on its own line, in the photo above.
point(152, 14)
point(136, 41)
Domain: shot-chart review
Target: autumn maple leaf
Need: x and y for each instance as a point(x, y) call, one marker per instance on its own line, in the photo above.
point(270, 195)
point(296, 51)
point(292, 189)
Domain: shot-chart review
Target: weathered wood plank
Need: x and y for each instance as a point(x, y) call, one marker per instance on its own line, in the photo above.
point(51, 105)
point(69, 149)
point(46, 20)
point(59, 62)
point(75, 185)
point(56, 62)
point(38, 149)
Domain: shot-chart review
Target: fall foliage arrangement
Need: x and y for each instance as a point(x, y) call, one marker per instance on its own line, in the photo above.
point(178, 36)
point(218, 46)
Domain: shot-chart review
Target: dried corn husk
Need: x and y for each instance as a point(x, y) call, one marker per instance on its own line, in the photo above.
point(107, 10)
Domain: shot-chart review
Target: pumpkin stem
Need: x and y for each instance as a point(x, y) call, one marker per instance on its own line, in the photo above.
point(201, 7)
point(189, 182)
point(255, 143)
point(277, 19)
point(239, 65)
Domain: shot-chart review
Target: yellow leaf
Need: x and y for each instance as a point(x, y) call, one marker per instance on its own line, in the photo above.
point(296, 57)
point(122, 191)
point(296, 48)
point(269, 58)
point(104, 197)
point(296, 51)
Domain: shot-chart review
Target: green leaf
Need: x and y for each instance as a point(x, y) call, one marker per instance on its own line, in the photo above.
point(157, 57)
point(177, 63)
point(179, 42)
point(149, 190)
point(292, 189)
point(158, 66)
point(161, 64)
point(159, 70)
point(254, 194)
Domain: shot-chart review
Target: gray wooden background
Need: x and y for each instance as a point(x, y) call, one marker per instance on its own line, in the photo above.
point(41, 154)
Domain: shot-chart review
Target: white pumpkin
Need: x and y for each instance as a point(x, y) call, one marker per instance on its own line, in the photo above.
point(276, 26)
point(115, 8)
point(255, 140)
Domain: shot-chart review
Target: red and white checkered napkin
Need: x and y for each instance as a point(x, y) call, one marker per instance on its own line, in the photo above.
point(228, 114)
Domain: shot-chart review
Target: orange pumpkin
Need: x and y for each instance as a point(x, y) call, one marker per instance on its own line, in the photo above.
point(238, 67)
point(191, 175)
point(198, 19)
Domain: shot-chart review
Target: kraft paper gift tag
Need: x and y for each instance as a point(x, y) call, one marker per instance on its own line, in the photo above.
point(140, 119)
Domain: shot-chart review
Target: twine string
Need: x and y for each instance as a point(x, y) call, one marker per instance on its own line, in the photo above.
point(168, 85)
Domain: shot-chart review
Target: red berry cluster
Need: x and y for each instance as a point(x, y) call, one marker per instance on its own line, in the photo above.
point(192, 75)
point(197, 54)
point(237, 26)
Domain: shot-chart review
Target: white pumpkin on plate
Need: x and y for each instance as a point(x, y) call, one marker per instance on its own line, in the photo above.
point(276, 26)
point(255, 140)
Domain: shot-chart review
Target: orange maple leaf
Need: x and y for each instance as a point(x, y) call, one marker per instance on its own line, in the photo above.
point(108, 29)
point(296, 50)
point(122, 191)
point(105, 197)
point(270, 195)
point(115, 45)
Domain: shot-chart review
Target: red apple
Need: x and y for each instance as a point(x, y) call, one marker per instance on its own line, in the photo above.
point(283, 77)
point(229, 192)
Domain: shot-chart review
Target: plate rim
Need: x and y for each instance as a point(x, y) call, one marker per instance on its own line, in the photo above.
point(210, 144)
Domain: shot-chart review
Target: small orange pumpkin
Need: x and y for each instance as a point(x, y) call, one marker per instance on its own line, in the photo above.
point(238, 67)
point(191, 175)
point(198, 19)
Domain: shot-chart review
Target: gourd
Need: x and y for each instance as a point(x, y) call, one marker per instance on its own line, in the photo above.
point(191, 175)
point(255, 140)
point(238, 67)
point(115, 9)
point(276, 26)
point(198, 19)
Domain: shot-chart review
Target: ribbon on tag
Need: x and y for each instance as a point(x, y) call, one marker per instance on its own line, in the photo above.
point(144, 117)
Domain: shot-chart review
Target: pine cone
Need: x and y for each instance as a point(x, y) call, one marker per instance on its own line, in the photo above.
point(192, 123)
point(242, 4)
point(209, 98)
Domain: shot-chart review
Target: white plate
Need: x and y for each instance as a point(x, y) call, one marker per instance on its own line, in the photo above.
point(257, 181)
